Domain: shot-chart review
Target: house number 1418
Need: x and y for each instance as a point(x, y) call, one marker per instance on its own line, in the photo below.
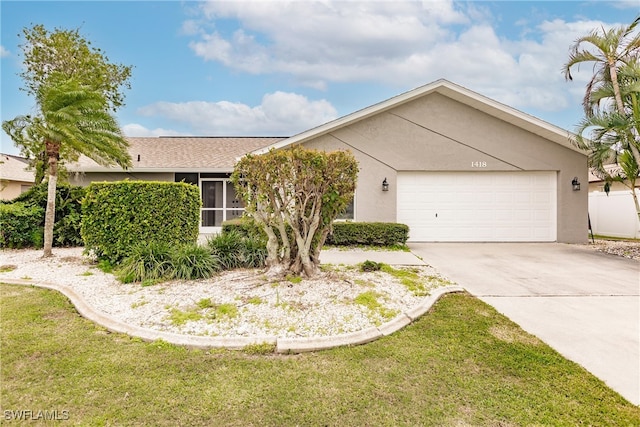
point(478, 164)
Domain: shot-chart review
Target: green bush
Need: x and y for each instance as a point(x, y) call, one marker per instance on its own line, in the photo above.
point(368, 266)
point(118, 215)
point(245, 227)
point(234, 250)
point(20, 225)
point(192, 262)
point(157, 261)
point(146, 261)
point(368, 233)
point(66, 231)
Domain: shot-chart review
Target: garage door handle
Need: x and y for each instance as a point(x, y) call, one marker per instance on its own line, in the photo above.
point(436, 215)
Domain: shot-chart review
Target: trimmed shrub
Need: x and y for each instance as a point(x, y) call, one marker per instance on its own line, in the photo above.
point(368, 233)
point(66, 231)
point(20, 225)
point(245, 227)
point(118, 215)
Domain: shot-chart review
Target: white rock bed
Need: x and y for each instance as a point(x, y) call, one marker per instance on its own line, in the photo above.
point(312, 308)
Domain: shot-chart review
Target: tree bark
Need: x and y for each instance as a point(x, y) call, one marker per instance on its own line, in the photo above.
point(50, 214)
point(613, 72)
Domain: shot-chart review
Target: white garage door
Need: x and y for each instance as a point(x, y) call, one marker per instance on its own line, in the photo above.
point(478, 206)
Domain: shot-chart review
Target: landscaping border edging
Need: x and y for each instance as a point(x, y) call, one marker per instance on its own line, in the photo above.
point(282, 345)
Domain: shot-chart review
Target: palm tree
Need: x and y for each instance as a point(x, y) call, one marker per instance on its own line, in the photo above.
point(613, 138)
point(608, 50)
point(74, 120)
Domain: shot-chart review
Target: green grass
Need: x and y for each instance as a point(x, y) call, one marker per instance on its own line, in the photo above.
point(369, 299)
point(7, 267)
point(461, 364)
point(179, 317)
point(413, 281)
point(226, 310)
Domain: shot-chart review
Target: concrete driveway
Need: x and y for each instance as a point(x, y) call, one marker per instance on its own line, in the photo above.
point(584, 304)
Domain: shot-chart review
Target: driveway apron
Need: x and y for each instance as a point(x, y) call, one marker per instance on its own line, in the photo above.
point(585, 304)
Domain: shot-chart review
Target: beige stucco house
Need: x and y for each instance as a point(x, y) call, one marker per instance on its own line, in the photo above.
point(457, 167)
point(15, 179)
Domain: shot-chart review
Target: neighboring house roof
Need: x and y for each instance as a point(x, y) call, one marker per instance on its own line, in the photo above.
point(14, 168)
point(176, 154)
point(613, 169)
point(450, 90)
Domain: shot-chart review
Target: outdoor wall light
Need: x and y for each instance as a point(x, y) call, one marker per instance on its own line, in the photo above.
point(576, 184)
point(385, 185)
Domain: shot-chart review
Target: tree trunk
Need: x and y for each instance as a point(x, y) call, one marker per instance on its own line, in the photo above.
point(616, 86)
point(50, 214)
point(637, 204)
point(620, 105)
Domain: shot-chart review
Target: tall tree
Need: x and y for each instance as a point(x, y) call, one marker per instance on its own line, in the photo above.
point(610, 130)
point(67, 54)
point(76, 89)
point(294, 195)
point(607, 50)
point(612, 137)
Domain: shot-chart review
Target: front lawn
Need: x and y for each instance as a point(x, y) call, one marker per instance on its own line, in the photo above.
point(461, 364)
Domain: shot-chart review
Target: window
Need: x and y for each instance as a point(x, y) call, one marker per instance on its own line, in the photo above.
point(189, 178)
point(349, 212)
point(219, 202)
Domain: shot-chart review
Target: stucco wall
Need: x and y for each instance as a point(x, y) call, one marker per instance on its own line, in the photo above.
point(372, 204)
point(12, 189)
point(436, 133)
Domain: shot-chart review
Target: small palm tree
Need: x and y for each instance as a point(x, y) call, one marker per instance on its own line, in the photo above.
point(608, 50)
point(74, 120)
point(613, 138)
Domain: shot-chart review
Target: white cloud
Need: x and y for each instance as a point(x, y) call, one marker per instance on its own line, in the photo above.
point(625, 4)
point(4, 52)
point(134, 129)
point(279, 113)
point(405, 44)
point(335, 41)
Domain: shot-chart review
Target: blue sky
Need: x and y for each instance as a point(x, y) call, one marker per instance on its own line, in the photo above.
point(240, 68)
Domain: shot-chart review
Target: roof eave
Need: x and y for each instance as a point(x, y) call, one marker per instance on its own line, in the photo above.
point(151, 170)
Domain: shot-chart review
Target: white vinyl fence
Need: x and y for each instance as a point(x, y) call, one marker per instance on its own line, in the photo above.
point(614, 215)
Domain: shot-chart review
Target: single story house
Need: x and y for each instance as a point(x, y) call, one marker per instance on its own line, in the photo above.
point(450, 163)
point(15, 178)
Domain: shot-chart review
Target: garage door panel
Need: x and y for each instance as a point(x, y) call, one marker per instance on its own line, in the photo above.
point(478, 206)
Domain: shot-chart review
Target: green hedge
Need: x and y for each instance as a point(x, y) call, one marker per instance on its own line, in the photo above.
point(368, 233)
point(244, 227)
point(116, 216)
point(66, 231)
point(344, 233)
point(20, 225)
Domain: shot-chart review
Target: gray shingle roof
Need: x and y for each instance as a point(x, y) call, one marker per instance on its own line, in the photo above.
point(183, 153)
point(13, 168)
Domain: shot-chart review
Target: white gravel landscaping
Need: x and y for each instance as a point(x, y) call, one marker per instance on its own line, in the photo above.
point(241, 303)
